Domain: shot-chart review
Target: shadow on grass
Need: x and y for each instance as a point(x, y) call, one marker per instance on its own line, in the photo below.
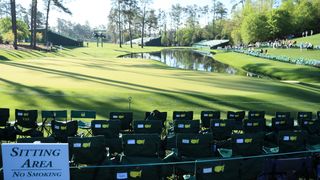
point(3, 58)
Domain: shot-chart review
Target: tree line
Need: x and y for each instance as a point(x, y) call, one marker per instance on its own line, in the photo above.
point(26, 20)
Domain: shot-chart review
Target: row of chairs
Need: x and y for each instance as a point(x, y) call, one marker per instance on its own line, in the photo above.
point(147, 148)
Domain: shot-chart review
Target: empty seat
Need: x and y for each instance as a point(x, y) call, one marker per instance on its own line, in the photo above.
point(207, 116)
point(62, 130)
point(7, 132)
point(282, 115)
point(238, 115)
point(221, 129)
point(248, 144)
point(256, 115)
point(125, 118)
point(27, 119)
point(219, 170)
point(282, 123)
point(195, 145)
point(186, 126)
point(254, 125)
point(156, 115)
point(144, 145)
point(4, 117)
point(48, 116)
point(182, 115)
point(304, 116)
point(37, 139)
point(147, 127)
point(290, 141)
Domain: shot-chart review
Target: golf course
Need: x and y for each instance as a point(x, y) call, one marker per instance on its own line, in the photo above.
point(92, 78)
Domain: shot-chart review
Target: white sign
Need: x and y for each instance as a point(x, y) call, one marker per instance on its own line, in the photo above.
point(35, 161)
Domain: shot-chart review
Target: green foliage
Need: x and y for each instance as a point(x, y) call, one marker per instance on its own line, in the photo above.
point(8, 37)
point(5, 29)
point(254, 28)
point(279, 23)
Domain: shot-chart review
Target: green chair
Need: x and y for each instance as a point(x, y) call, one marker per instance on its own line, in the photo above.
point(189, 145)
point(48, 116)
point(7, 132)
point(186, 126)
point(147, 127)
point(207, 116)
point(125, 118)
point(155, 115)
point(110, 130)
point(238, 117)
point(256, 115)
point(182, 115)
point(26, 123)
point(141, 145)
point(248, 144)
point(291, 141)
point(282, 123)
point(82, 116)
point(254, 125)
point(90, 151)
point(219, 170)
point(62, 130)
point(221, 129)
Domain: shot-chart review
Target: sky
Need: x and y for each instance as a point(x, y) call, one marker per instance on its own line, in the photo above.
point(96, 11)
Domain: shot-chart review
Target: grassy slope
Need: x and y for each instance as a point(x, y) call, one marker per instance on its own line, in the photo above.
point(315, 39)
point(279, 70)
point(92, 78)
point(296, 53)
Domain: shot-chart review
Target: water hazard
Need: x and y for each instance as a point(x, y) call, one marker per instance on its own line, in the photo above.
point(189, 59)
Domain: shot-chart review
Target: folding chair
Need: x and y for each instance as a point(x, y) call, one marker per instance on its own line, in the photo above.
point(207, 116)
point(89, 151)
point(282, 123)
point(140, 149)
point(7, 132)
point(147, 127)
point(27, 119)
point(295, 168)
point(219, 170)
point(110, 130)
point(84, 115)
point(248, 144)
point(48, 116)
point(238, 117)
point(290, 141)
point(141, 145)
point(282, 115)
point(182, 115)
point(256, 115)
point(37, 139)
point(254, 125)
point(161, 116)
point(221, 129)
point(186, 126)
point(125, 118)
point(62, 130)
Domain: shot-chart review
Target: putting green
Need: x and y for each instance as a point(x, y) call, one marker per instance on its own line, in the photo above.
point(93, 78)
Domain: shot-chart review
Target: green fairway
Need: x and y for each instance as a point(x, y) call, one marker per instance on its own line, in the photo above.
point(93, 78)
point(275, 69)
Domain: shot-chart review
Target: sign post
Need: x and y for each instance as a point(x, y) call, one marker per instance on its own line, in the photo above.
point(35, 161)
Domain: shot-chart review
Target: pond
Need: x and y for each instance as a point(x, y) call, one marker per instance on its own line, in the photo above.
point(189, 59)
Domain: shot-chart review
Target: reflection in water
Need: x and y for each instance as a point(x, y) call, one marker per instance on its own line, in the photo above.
point(186, 59)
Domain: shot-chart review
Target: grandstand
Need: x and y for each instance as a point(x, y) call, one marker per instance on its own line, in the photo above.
point(243, 145)
point(148, 41)
point(211, 44)
point(58, 39)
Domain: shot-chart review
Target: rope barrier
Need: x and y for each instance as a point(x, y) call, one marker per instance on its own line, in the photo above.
point(198, 161)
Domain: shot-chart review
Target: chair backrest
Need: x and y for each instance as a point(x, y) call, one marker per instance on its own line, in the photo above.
point(221, 129)
point(282, 115)
point(109, 129)
point(280, 124)
point(83, 114)
point(207, 116)
point(186, 126)
point(219, 170)
point(195, 145)
point(238, 115)
point(88, 150)
point(4, 116)
point(256, 115)
point(125, 118)
point(182, 115)
point(36, 139)
point(248, 144)
point(26, 118)
point(161, 116)
point(146, 145)
point(58, 115)
point(290, 141)
point(147, 127)
point(304, 116)
point(62, 130)
point(254, 125)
